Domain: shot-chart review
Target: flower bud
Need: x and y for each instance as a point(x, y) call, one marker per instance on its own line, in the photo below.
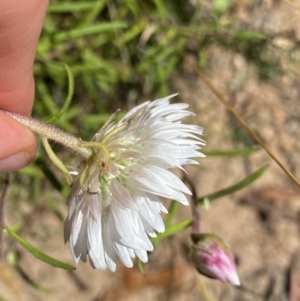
point(213, 258)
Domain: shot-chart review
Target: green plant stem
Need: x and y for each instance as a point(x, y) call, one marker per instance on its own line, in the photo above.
point(52, 133)
point(195, 229)
point(244, 124)
point(37, 253)
point(56, 161)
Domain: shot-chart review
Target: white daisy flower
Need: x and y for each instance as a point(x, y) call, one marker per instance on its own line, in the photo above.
point(115, 204)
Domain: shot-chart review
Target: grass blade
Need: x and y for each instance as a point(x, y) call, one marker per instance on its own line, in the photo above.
point(64, 7)
point(66, 105)
point(37, 253)
point(172, 230)
point(240, 185)
point(139, 266)
point(230, 153)
point(88, 30)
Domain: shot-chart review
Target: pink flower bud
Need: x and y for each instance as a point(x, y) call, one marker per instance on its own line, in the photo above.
point(213, 258)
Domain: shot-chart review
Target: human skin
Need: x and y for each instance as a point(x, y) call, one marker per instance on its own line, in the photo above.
point(20, 27)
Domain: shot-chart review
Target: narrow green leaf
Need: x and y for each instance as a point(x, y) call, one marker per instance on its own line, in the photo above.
point(131, 33)
point(172, 212)
point(66, 105)
point(88, 30)
point(47, 100)
point(134, 7)
point(171, 230)
point(95, 121)
point(32, 171)
point(202, 58)
point(161, 9)
point(92, 14)
point(37, 253)
point(249, 35)
point(139, 266)
point(240, 185)
point(231, 152)
point(64, 7)
point(66, 123)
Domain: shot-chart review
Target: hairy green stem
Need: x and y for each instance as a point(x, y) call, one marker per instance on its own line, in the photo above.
point(52, 133)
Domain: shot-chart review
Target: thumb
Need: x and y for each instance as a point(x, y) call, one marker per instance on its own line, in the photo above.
point(20, 26)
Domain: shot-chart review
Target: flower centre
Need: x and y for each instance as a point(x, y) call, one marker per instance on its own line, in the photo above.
point(94, 167)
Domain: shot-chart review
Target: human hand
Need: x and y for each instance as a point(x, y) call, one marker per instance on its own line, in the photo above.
point(20, 26)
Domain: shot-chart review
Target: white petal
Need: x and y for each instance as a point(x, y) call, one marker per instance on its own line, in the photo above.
point(130, 229)
point(122, 195)
point(76, 227)
point(142, 255)
point(123, 254)
point(148, 210)
point(146, 180)
point(96, 252)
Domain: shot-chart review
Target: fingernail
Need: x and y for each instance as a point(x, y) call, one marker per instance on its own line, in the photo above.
point(14, 162)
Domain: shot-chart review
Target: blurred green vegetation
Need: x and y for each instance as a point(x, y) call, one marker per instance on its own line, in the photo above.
point(121, 53)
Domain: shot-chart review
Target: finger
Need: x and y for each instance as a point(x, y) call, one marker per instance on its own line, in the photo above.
point(20, 26)
point(19, 144)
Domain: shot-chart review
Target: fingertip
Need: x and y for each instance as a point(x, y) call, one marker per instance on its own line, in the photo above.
point(15, 162)
point(17, 144)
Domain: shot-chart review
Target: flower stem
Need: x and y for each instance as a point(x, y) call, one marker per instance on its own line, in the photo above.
point(52, 133)
point(195, 229)
point(244, 124)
